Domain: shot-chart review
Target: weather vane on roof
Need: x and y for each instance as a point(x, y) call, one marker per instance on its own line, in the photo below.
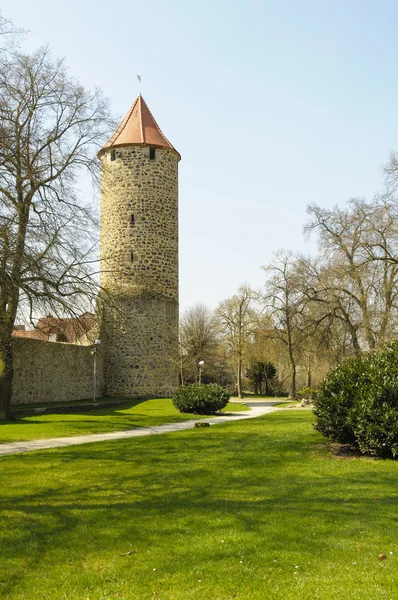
point(139, 78)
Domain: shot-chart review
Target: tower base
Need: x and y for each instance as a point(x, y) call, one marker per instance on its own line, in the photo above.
point(140, 340)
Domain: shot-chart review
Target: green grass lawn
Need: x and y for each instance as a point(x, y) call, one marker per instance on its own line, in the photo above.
point(137, 413)
point(249, 510)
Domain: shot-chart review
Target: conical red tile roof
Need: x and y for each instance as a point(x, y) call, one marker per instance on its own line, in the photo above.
point(139, 128)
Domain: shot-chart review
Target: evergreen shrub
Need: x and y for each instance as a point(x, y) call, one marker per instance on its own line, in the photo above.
point(307, 394)
point(376, 412)
point(205, 399)
point(357, 403)
point(335, 400)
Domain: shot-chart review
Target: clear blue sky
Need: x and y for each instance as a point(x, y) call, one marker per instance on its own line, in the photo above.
point(272, 105)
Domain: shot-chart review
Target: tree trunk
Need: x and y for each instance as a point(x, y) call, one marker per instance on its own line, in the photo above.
point(267, 386)
point(292, 393)
point(240, 394)
point(6, 376)
point(355, 342)
point(388, 288)
point(309, 373)
point(181, 374)
point(352, 332)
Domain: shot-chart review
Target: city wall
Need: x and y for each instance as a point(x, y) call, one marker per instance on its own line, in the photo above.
point(54, 372)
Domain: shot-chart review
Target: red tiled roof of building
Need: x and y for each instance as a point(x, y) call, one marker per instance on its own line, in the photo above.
point(68, 330)
point(34, 334)
point(139, 128)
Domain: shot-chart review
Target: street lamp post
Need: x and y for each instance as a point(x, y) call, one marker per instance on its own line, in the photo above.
point(200, 363)
point(94, 352)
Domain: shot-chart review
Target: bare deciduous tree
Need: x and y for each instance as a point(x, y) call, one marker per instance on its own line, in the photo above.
point(238, 320)
point(50, 131)
point(357, 275)
point(10, 36)
point(285, 303)
point(199, 337)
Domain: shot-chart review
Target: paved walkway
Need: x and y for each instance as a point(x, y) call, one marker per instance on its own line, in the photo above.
point(258, 408)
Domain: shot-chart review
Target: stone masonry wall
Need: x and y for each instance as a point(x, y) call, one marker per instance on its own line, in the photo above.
point(139, 266)
point(139, 221)
point(140, 342)
point(53, 372)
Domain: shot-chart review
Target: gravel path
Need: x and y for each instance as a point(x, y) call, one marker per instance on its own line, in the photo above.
point(258, 408)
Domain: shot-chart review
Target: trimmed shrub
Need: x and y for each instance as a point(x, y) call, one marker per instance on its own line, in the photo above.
point(335, 401)
point(357, 403)
point(376, 411)
point(203, 399)
point(306, 393)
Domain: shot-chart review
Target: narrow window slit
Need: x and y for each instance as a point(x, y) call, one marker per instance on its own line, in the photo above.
point(152, 153)
point(113, 154)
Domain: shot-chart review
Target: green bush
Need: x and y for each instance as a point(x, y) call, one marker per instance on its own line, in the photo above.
point(358, 403)
point(203, 399)
point(306, 393)
point(335, 401)
point(376, 411)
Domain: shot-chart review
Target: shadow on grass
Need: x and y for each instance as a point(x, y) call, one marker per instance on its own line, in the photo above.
point(132, 415)
point(252, 481)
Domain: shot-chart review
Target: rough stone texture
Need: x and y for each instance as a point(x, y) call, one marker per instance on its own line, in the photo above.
point(53, 372)
point(139, 267)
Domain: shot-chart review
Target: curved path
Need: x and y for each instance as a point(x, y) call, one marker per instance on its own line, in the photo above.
point(258, 408)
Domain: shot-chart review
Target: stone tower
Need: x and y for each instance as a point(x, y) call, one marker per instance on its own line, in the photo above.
point(139, 257)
